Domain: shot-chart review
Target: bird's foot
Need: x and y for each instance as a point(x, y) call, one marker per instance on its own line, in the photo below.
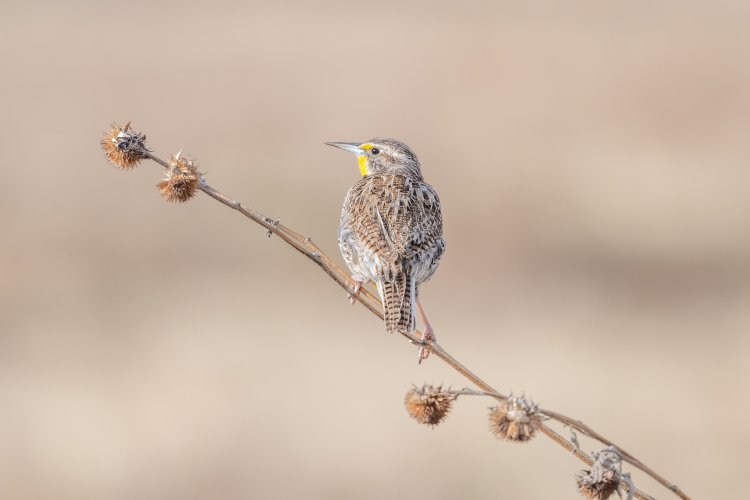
point(359, 281)
point(427, 337)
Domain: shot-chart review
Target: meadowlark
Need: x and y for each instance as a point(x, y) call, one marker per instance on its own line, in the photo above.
point(391, 231)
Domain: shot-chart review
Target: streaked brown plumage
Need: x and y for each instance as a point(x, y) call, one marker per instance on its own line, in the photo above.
point(391, 230)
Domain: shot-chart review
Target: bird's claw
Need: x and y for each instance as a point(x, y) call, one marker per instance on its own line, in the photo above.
point(424, 350)
point(354, 294)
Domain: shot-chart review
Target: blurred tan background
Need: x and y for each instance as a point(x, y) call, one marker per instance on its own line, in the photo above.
point(593, 163)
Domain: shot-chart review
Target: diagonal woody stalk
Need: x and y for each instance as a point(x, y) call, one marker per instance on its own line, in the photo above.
point(306, 247)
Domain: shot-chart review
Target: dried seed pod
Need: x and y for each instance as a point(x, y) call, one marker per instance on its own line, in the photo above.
point(428, 405)
point(515, 419)
point(124, 147)
point(182, 181)
point(605, 475)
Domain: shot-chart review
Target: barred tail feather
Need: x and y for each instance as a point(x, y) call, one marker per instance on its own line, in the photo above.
point(391, 304)
point(406, 320)
point(398, 296)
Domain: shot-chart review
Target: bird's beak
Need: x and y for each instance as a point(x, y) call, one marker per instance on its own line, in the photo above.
point(352, 147)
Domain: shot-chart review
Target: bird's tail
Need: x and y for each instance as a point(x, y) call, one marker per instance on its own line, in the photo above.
point(399, 299)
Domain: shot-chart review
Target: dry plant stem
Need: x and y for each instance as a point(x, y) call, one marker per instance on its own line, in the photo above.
point(627, 457)
point(305, 246)
point(300, 243)
point(586, 431)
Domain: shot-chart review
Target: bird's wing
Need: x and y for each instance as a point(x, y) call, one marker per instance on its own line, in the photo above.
point(397, 217)
point(425, 221)
point(369, 218)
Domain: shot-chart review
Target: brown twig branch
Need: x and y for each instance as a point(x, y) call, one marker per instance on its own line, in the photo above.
point(586, 431)
point(366, 298)
point(372, 303)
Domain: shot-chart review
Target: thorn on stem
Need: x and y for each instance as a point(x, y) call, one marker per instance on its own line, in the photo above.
point(574, 439)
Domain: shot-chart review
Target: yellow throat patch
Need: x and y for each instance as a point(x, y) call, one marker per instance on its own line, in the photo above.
point(363, 159)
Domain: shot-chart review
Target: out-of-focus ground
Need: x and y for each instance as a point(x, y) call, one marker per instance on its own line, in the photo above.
point(594, 167)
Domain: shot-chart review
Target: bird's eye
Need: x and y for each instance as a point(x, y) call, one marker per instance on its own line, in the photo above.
point(375, 151)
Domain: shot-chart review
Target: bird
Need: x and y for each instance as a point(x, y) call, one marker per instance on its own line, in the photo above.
point(391, 232)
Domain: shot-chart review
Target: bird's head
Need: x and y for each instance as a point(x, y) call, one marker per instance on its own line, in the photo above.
point(380, 155)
